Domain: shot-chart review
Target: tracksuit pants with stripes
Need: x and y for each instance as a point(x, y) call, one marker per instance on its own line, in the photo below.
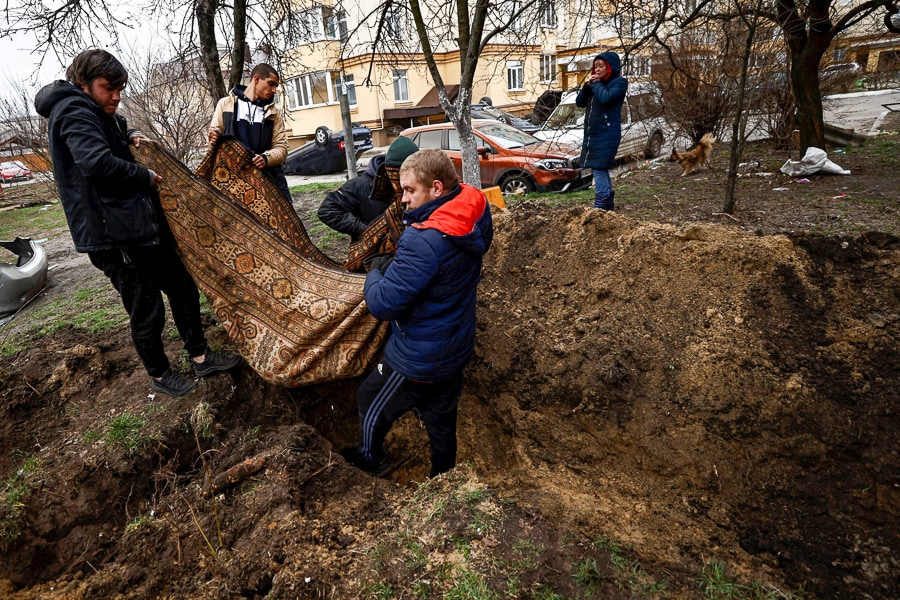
point(386, 395)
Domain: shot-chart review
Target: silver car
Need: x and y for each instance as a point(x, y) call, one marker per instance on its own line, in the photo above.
point(642, 122)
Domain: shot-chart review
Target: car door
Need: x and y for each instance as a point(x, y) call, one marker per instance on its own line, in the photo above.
point(631, 142)
point(486, 166)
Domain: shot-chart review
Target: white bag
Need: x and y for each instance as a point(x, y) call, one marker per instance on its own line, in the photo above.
point(813, 161)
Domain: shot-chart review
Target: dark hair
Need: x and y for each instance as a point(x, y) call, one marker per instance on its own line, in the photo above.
point(263, 70)
point(92, 64)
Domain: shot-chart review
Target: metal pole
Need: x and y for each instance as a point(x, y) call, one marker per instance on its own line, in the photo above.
point(349, 147)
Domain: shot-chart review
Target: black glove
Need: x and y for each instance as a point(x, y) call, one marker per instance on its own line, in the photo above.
point(380, 262)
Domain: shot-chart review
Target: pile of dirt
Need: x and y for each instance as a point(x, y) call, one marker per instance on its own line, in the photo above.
point(695, 392)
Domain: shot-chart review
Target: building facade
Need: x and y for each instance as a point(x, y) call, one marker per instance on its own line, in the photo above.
point(373, 49)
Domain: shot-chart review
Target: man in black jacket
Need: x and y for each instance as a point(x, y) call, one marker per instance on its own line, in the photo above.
point(351, 208)
point(115, 217)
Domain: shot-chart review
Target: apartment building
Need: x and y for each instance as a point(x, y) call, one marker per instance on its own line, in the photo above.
point(374, 51)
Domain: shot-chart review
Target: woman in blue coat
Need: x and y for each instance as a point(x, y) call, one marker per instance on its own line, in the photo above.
point(602, 96)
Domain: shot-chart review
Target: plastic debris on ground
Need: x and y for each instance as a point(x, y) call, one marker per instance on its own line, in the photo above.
point(814, 161)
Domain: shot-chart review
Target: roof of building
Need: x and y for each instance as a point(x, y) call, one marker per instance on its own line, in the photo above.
point(427, 106)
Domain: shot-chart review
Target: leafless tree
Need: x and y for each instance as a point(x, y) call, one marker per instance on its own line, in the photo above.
point(807, 30)
point(162, 101)
point(413, 32)
point(24, 133)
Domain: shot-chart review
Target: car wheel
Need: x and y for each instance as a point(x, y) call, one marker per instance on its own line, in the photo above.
point(323, 134)
point(517, 185)
point(654, 146)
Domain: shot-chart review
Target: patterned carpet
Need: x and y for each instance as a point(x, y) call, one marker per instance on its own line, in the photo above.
point(294, 314)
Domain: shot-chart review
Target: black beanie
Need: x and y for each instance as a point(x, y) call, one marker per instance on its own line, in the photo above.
point(399, 150)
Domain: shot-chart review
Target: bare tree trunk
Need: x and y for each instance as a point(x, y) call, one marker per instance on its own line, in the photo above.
point(470, 34)
point(739, 125)
point(205, 13)
point(240, 41)
point(808, 99)
point(467, 141)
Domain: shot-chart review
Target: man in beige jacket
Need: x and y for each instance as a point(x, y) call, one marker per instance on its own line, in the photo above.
point(249, 114)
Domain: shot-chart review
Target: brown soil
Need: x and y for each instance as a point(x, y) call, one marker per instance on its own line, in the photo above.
point(692, 386)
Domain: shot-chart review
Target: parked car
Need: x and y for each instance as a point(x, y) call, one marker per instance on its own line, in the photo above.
point(510, 158)
point(14, 170)
point(642, 122)
point(544, 105)
point(840, 78)
point(486, 111)
point(326, 154)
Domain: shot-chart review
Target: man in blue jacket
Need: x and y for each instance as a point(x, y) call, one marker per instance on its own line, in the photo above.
point(427, 292)
point(114, 215)
point(602, 97)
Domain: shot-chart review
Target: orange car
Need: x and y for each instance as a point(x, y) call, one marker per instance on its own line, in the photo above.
point(510, 158)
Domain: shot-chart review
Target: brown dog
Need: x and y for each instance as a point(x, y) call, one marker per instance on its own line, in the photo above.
point(696, 156)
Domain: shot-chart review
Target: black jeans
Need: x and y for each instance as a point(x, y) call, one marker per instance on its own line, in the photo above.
point(386, 395)
point(141, 275)
point(277, 173)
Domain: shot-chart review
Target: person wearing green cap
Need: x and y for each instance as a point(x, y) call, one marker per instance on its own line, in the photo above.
point(351, 208)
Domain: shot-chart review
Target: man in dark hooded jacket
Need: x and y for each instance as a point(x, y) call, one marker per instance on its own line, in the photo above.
point(114, 215)
point(602, 97)
point(249, 114)
point(427, 292)
point(351, 208)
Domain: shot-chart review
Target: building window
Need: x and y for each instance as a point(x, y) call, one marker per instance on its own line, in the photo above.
point(633, 27)
point(313, 25)
point(840, 55)
point(513, 14)
point(335, 24)
point(307, 90)
point(637, 66)
point(515, 75)
point(393, 22)
point(348, 81)
point(310, 26)
point(401, 86)
point(548, 14)
point(548, 68)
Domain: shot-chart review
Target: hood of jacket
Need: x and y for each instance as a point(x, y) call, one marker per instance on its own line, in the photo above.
point(463, 216)
point(615, 64)
point(241, 92)
point(51, 94)
point(374, 164)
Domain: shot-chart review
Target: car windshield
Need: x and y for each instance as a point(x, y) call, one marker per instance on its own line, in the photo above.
point(566, 116)
point(9, 165)
point(506, 136)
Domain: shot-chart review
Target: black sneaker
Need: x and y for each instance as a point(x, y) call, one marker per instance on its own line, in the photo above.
point(173, 384)
point(214, 362)
point(356, 458)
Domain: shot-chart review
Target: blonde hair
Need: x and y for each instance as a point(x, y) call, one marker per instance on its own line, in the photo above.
point(430, 164)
